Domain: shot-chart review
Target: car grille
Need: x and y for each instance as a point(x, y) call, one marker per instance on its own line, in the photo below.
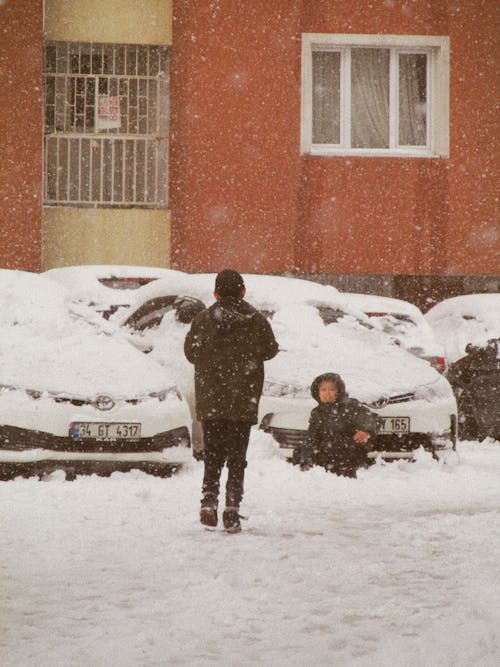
point(294, 439)
point(78, 402)
point(288, 437)
point(20, 439)
point(401, 398)
point(401, 443)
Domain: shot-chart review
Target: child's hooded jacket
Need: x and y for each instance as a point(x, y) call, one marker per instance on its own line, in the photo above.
point(333, 425)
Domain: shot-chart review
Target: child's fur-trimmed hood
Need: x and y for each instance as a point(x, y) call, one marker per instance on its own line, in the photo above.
point(329, 377)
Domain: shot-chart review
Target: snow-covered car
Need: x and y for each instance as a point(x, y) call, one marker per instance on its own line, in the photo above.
point(317, 331)
point(462, 320)
point(405, 322)
point(468, 326)
point(106, 287)
point(475, 379)
point(78, 399)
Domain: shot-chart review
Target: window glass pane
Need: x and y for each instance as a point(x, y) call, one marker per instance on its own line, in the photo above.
point(412, 99)
point(370, 98)
point(326, 97)
point(50, 58)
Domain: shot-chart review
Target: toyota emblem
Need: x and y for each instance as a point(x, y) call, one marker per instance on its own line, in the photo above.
point(103, 402)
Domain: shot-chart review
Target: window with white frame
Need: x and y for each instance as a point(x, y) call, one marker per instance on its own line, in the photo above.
point(375, 95)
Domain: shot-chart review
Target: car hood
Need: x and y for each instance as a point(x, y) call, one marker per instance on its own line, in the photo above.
point(82, 366)
point(370, 365)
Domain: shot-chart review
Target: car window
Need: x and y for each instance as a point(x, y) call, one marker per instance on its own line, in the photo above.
point(124, 283)
point(393, 323)
point(186, 308)
point(329, 314)
point(333, 315)
point(151, 313)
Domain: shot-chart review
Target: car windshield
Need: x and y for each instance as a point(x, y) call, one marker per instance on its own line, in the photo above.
point(333, 315)
point(393, 323)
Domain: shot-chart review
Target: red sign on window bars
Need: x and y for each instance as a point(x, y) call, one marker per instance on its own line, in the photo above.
point(108, 112)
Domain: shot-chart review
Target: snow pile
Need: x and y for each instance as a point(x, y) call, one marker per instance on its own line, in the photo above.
point(397, 567)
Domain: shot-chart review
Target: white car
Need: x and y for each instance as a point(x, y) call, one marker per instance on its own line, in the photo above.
point(106, 287)
point(462, 320)
point(405, 322)
point(77, 399)
point(317, 332)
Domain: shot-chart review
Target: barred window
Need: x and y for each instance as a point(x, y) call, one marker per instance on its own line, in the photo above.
point(105, 125)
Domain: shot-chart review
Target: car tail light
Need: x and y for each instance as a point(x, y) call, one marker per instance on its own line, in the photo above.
point(439, 363)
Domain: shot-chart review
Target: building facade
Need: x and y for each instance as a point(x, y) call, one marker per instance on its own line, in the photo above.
point(353, 142)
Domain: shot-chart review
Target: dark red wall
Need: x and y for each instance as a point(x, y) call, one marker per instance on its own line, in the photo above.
point(242, 195)
point(21, 53)
point(234, 169)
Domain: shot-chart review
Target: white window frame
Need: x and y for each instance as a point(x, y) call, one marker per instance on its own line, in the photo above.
point(438, 84)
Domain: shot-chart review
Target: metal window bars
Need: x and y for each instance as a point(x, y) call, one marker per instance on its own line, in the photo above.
point(106, 110)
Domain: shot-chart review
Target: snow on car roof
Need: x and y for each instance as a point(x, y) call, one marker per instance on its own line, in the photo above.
point(264, 292)
point(375, 302)
point(88, 282)
point(469, 318)
point(482, 306)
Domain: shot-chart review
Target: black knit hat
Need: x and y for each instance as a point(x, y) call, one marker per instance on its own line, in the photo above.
point(229, 283)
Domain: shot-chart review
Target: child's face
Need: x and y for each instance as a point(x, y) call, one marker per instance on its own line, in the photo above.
point(327, 391)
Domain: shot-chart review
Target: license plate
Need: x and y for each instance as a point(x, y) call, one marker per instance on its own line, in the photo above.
point(105, 430)
point(394, 425)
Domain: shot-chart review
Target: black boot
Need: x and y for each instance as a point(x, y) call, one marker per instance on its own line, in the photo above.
point(231, 520)
point(208, 511)
point(208, 517)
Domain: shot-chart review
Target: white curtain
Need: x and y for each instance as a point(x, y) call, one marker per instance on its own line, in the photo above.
point(412, 99)
point(370, 98)
point(326, 97)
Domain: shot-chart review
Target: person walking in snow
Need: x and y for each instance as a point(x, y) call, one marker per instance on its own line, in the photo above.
point(339, 428)
point(228, 344)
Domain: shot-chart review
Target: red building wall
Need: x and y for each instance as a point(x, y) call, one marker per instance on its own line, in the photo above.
point(21, 53)
point(242, 194)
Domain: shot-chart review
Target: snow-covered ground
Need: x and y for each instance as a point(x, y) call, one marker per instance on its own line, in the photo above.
point(399, 567)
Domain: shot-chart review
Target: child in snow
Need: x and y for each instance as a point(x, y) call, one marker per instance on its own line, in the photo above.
point(339, 428)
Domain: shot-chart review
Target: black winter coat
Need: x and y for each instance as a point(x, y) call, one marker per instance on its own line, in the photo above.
point(333, 425)
point(228, 344)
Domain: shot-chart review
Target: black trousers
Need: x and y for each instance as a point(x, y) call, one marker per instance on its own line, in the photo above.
point(342, 460)
point(224, 442)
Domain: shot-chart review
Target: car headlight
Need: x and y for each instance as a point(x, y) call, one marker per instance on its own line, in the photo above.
point(171, 392)
point(440, 390)
point(282, 389)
